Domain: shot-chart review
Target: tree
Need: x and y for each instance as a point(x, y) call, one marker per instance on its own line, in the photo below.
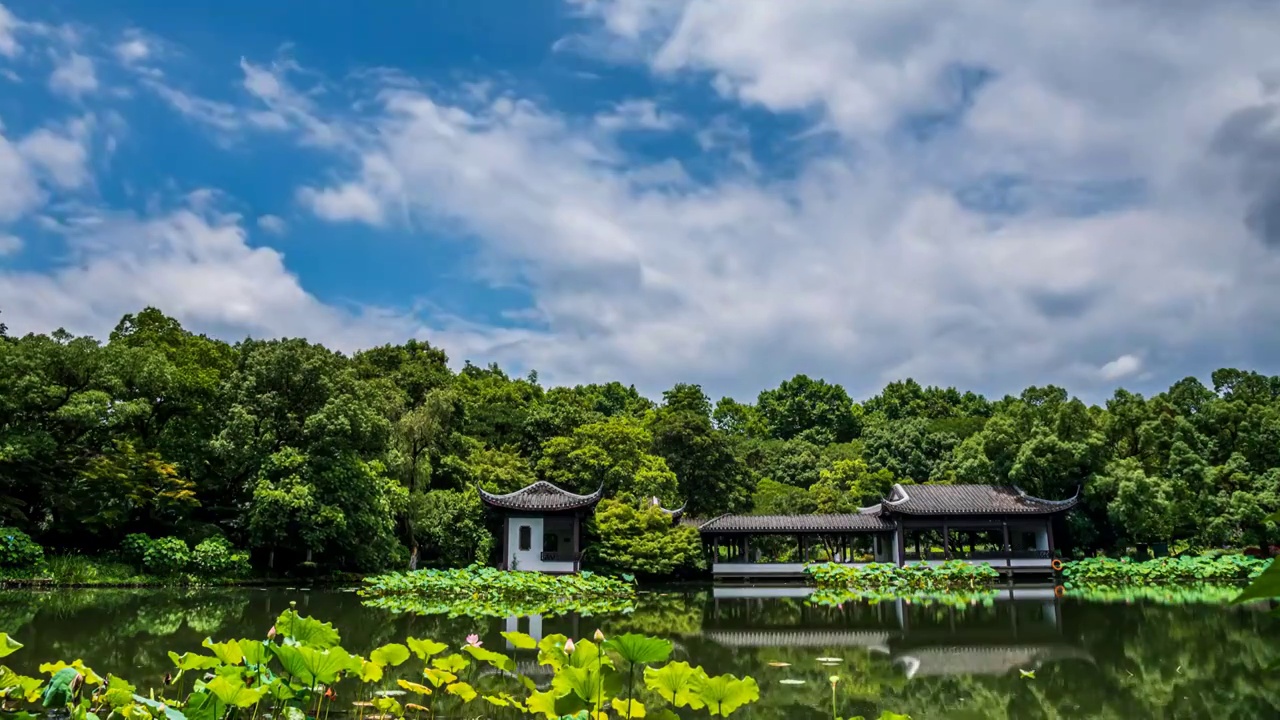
point(739, 419)
point(821, 412)
point(642, 540)
point(775, 498)
point(450, 524)
point(849, 485)
point(1142, 507)
point(613, 453)
point(125, 490)
point(712, 480)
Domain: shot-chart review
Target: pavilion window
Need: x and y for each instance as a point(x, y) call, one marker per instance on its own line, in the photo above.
point(526, 537)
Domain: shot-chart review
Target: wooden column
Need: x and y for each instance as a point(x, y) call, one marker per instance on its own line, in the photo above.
point(506, 536)
point(1008, 549)
point(946, 541)
point(1049, 529)
point(902, 544)
point(577, 542)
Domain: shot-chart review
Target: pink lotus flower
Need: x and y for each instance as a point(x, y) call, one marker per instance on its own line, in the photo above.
point(568, 646)
point(474, 640)
point(271, 633)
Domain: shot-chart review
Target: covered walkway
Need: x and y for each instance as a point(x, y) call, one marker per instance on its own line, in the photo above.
point(1001, 526)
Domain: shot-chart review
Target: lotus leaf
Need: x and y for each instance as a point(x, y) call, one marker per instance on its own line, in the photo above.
point(306, 630)
point(414, 687)
point(496, 659)
point(192, 661)
point(391, 654)
point(370, 671)
point(27, 688)
point(627, 708)
point(389, 706)
point(8, 645)
point(425, 648)
point(231, 693)
point(254, 651)
point(590, 684)
point(451, 663)
point(551, 651)
point(90, 677)
point(438, 677)
point(677, 683)
point(724, 694)
point(157, 706)
point(311, 666)
point(119, 692)
point(639, 649)
point(462, 690)
point(228, 652)
point(520, 640)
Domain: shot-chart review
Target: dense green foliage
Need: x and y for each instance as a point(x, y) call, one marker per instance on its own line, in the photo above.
point(293, 674)
point(642, 540)
point(486, 591)
point(1190, 569)
point(887, 579)
point(18, 552)
point(364, 462)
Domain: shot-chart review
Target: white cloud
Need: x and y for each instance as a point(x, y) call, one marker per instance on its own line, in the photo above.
point(21, 190)
point(64, 157)
point(637, 115)
point(196, 267)
point(10, 244)
point(1121, 367)
point(273, 224)
point(8, 29)
point(132, 51)
point(73, 76)
point(349, 202)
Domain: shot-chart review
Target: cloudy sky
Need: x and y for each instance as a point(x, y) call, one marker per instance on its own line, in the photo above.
point(989, 193)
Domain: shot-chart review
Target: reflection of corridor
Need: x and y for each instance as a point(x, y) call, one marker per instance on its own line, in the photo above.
point(1021, 630)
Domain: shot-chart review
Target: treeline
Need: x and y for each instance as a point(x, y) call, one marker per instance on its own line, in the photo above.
point(300, 453)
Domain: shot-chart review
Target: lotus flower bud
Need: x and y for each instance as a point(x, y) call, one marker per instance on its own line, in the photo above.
point(568, 646)
point(599, 635)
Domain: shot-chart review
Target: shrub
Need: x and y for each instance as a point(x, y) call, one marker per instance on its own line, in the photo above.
point(217, 557)
point(167, 556)
point(134, 548)
point(18, 551)
point(950, 576)
point(1105, 572)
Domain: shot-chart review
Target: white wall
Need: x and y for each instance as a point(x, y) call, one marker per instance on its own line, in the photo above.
point(530, 559)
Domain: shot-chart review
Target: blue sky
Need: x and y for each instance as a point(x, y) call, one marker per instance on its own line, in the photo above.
point(726, 192)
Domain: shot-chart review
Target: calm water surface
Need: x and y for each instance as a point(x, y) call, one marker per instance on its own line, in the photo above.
point(1090, 660)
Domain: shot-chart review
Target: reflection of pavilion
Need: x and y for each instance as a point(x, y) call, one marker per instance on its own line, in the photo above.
point(1019, 631)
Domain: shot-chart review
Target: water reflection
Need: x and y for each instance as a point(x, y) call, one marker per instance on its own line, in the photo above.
point(1090, 660)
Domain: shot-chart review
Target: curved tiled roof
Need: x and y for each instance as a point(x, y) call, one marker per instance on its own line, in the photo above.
point(675, 514)
point(541, 496)
point(797, 523)
point(970, 500)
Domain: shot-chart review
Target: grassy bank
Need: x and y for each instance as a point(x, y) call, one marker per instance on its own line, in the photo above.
point(70, 571)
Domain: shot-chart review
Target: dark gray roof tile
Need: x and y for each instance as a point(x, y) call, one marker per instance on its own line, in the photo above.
point(796, 523)
point(970, 500)
point(541, 496)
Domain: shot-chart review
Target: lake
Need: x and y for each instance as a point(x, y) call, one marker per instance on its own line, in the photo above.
point(1090, 660)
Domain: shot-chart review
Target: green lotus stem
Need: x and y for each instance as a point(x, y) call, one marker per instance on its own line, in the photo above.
point(631, 686)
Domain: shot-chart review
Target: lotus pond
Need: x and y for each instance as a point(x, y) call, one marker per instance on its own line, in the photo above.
point(1025, 654)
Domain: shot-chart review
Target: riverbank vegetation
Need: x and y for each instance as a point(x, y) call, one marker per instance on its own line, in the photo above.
point(296, 670)
point(313, 461)
point(485, 591)
point(887, 579)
